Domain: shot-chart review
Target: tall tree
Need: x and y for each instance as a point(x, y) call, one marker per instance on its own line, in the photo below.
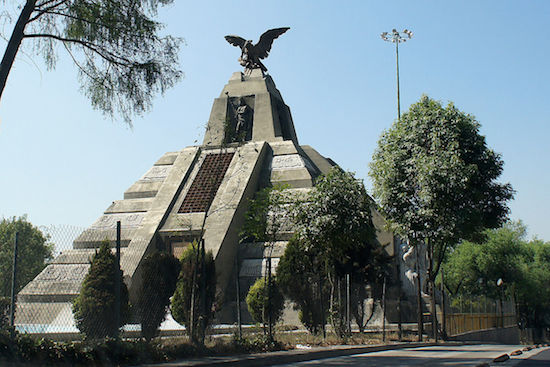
point(472, 269)
point(34, 251)
point(122, 60)
point(335, 224)
point(436, 180)
point(266, 217)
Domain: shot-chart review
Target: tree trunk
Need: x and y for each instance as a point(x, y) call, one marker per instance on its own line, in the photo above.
point(431, 286)
point(444, 313)
point(14, 43)
point(419, 297)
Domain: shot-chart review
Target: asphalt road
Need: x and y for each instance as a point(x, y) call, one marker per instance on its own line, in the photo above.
point(462, 355)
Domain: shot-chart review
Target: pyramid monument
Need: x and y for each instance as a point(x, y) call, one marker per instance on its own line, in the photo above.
point(250, 143)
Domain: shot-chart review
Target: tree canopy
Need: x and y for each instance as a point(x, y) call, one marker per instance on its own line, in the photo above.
point(122, 59)
point(436, 181)
point(336, 235)
point(34, 251)
point(472, 269)
point(435, 177)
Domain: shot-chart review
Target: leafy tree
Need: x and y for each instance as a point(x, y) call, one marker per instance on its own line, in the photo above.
point(94, 308)
point(473, 268)
point(436, 180)
point(160, 272)
point(267, 215)
point(301, 280)
point(34, 251)
point(261, 305)
point(531, 291)
point(335, 224)
point(186, 301)
point(121, 59)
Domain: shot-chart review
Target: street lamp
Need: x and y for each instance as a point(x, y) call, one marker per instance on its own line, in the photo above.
point(397, 37)
point(500, 284)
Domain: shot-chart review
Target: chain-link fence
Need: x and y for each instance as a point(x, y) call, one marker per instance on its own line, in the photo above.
point(48, 302)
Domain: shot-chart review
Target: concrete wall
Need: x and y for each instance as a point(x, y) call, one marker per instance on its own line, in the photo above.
point(506, 335)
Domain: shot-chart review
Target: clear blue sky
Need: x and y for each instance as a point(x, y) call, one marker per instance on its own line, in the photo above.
point(61, 162)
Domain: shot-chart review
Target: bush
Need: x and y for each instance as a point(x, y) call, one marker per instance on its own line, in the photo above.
point(94, 308)
point(158, 282)
point(262, 303)
point(181, 301)
point(301, 281)
point(5, 304)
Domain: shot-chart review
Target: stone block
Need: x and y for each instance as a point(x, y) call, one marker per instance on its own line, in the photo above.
point(143, 189)
point(156, 173)
point(324, 165)
point(167, 158)
point(283, 147)
point(130, 206)
point(56, 283)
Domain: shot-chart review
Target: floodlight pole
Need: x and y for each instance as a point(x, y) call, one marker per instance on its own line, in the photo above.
point(397, 37)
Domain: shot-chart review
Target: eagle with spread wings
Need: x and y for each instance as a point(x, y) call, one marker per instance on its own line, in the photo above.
point(251, 54)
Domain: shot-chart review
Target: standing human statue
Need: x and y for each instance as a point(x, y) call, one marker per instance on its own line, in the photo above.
point(243, 120)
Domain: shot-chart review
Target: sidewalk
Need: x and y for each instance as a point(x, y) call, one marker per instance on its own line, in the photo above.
point(290, 356)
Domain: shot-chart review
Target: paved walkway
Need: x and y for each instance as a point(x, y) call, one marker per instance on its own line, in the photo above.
point(398, 354)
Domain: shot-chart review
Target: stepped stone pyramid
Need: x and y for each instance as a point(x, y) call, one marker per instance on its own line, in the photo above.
point(250, 143)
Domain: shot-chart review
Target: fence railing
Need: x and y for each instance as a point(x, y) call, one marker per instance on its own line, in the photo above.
point(459, 323)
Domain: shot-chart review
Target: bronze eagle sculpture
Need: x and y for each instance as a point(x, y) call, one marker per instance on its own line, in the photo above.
point(251, 54)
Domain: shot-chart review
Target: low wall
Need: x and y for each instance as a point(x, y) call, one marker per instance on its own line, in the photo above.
point(506, 335)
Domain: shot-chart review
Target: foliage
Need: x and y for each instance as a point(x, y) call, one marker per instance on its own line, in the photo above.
point(94, 308)
point(26, 350)
point(335, 226)
point(302, 281)
point(436, 181)
point(192, 273)
point(122, 60)
point(435, 177)
point(263, 300)
point(335, 219)
point(472, 269)
point(159, 275)
point(34, 251)
point(267, 214)
point(5, 305)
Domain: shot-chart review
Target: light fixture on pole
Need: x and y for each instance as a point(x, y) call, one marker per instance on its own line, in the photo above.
point(397, 37)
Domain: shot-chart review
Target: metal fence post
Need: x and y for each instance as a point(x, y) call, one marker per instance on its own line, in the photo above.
point(13, 284)
point(384, 311)
point(117, 279)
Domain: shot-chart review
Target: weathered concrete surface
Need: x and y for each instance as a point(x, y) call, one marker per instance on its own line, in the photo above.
point(506, 335)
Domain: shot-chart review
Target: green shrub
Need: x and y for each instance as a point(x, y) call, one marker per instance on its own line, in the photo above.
point(301, 280)
point(5, 304)
point(94, 308)
point(158, 282)
point(181, 301)
point(262, 303)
